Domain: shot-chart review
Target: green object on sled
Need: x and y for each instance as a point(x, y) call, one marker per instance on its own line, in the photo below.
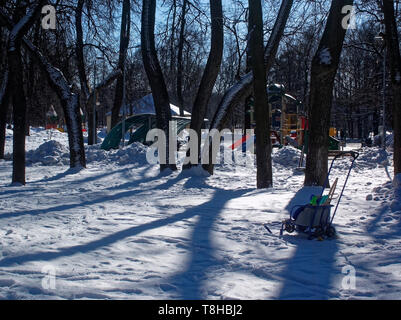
point(313, 201)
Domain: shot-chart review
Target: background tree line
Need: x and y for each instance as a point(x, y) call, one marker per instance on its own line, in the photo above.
point(96, 53)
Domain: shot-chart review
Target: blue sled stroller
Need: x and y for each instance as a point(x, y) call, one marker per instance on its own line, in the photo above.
point(315, 218)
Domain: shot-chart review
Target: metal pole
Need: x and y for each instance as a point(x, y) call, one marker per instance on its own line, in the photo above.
point(384, 98)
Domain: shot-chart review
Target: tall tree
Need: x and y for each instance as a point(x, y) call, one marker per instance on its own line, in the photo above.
point(210, 74)
point(23, 22)
point(88, 94)
point(155, 76)
point(324, 68)
point(236, 95)
point(262, 114)
point(79, 51)
point(124, 42)
point(4, 106)
point(392, 42)
point(69, 100)
point(4, 90)
point(180, 57)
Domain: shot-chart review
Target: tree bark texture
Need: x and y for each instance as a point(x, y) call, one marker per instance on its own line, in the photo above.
point(124, 42)
point(264, 176)
point(243, 88)
point(393, 49)
point(155, 76)
point(211, 72)
point(324, 68)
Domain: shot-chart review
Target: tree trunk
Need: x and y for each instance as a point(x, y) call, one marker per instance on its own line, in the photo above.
point(69, 100)
point(4, 106)
point(155, 76)
point(71, 108)
point(393, 49)
point(172, 39)
point(324, 69)
point(179, 58)
point(19, 114)
point(210, 74)
point(70, 104)
point(247, 114)
point(243, 88)
point(23, 22)
point(83, 79)
point(263, 143)
point(124, 42)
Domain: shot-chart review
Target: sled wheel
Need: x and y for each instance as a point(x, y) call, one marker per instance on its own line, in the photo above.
point(318, 232)
point(331, 232)
point(289, 226)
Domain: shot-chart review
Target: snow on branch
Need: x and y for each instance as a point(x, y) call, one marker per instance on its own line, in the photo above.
point(23, 25)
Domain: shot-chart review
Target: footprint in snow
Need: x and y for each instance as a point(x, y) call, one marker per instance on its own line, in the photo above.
point(167, 287)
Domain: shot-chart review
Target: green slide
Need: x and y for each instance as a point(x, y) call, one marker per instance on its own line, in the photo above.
point(141, 124)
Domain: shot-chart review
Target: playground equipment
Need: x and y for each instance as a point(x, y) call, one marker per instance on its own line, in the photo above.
point(140, 125)
point(51, 119)
point(244, 141)
point(314, 218)
point(287, 118)
point(334, 145)
point(287, 114)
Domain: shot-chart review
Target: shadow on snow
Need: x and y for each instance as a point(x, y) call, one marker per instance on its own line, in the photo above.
point(310, 272)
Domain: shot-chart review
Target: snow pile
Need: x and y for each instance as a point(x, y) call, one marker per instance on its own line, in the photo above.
point(389, 140)
point(287, 156)
point(372, 157)
point(53, 153)
point(389, 192)
point(49, 153)
point(195, 171)
point(132, 154)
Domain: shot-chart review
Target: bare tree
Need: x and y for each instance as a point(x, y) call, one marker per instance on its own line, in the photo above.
point(243, 88)
point(4, 106)
point(180, 57)
point(155, 76)
point(88, 94)
point(83, 79)
point(324, 68)
point(392, 42)
point(124, 42)
point(4, 89)
point(23, 22)
point(210, 73)
point(69, 100)
point(262, 114)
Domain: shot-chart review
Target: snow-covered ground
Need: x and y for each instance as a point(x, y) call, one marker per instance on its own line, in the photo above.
point(120, 230)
